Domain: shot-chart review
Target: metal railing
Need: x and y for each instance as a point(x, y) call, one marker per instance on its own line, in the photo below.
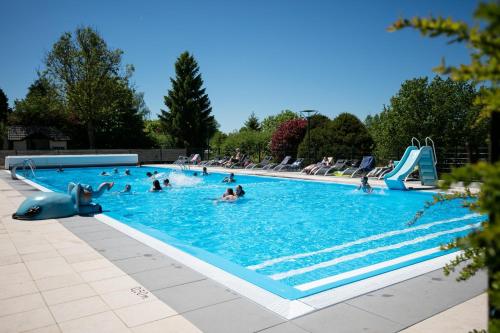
point(427, 139)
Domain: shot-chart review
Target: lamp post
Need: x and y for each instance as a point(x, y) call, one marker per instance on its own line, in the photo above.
point(308, 114)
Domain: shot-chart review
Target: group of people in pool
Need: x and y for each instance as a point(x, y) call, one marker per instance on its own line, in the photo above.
point(115, 172)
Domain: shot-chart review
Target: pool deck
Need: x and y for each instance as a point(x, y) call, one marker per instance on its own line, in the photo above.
point(80, 275)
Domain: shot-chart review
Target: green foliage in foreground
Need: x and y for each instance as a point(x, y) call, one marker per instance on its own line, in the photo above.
point(482, 248)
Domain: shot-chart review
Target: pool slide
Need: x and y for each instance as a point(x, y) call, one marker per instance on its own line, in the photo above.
point(422, 157)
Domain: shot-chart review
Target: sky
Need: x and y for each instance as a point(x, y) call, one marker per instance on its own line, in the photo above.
point(259, 56)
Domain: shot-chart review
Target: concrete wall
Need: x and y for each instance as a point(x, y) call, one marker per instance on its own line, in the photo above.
point(145, 155)
point(58, 144)
point(19, 145)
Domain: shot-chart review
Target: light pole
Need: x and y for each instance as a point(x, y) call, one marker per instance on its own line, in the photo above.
point(308, 114)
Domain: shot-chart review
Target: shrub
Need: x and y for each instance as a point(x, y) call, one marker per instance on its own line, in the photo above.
point(343, 137)
point(287, 137)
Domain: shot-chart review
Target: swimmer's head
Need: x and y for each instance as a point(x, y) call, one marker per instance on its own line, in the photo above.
point(127, 188)
point(364, 180)
point(127, 172)
point(231, 175)
point(204, 169)
point(230, 191)
point(239, 191)
point(115, 170)
point(155, 172)
point(156, 184)
point(166, 181)
point(149, 174)
point(195, 173)
point(103, 173)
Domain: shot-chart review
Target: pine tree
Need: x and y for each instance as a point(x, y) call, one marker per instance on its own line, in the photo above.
point(4, 107)
point(252, 123)
point(189, 120)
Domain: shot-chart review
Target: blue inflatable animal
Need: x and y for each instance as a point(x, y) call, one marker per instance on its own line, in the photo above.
point(49, 205)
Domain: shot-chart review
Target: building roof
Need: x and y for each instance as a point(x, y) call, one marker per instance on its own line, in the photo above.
point(18, 133)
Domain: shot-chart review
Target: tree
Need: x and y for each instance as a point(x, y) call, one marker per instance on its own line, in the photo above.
point(287, 137)
point(249, 142)
point(217, 140)
point(4, 107)
point(42, 106)
point(482, 247)
point(188, 119)
point(123, 123)
point(252, 123)
point(271, 123)
point(343, 137)
point(441, 109)
point(156, 134)
point(84, 70)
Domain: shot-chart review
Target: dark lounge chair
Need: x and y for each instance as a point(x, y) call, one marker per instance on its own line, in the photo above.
point(295, 166)
point(366, 166)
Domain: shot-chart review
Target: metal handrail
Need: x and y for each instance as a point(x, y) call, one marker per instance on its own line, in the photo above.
point(415, 139)
point(433, 148)
point(28, 165)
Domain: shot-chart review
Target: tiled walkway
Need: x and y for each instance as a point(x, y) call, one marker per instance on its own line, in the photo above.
point(80, 275)
point(52, 281)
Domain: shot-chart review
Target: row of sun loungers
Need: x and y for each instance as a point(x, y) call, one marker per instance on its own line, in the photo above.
point(343, 167)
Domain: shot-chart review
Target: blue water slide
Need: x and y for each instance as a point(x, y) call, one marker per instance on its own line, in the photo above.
point(422, 157)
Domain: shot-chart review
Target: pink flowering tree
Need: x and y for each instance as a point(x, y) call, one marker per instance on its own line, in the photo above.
point(287, 137)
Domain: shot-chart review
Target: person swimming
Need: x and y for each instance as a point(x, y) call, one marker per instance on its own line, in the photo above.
point(104, 173)
point(127, 172)
point(127, 189)
point(60, 169)
point(204, 173)
point(166, 183)
point(229, 195)
point(195, 174)
point(115, 170)
point(239, 191)
point(156, 186)
point(364, 186)
point(149, 174)
point(229, 179)
point(155, 172)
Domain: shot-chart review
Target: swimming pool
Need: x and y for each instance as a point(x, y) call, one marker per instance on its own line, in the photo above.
point(292, 238)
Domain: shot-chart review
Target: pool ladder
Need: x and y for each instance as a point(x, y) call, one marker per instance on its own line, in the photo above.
point(28, 166)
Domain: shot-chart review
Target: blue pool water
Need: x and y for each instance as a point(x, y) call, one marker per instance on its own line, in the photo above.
point(287, 236)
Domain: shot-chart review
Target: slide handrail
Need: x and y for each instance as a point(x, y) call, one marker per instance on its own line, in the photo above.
point(433, 148)
point(413, 144)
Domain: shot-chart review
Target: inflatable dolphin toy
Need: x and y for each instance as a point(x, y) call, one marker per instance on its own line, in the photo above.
point(50, 205)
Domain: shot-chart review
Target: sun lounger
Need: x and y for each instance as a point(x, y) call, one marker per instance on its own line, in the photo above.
point(194, 159)
point(285, 161)
point(241, 163)
point(295, 166)
point(183, 159)
point(308, 169)
point(366, 166)
point(338, 166)
point(260, 165)
point(353, 166)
